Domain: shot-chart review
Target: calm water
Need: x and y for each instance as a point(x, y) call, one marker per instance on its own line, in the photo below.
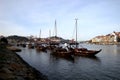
point(105, 66)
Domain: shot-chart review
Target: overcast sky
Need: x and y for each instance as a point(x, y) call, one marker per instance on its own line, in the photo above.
point(27, 17)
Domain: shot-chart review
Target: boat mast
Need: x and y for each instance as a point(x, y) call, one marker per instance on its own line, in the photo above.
point(76, 30)
point(55, 29)
point(49, 33)
point(40, 35)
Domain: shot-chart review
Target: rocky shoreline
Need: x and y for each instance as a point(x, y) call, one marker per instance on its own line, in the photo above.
point(13, 67)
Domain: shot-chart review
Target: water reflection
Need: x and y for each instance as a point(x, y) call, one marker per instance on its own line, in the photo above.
point(117, 49)
point(71, 59)
point(93, 59)
point(39, 51)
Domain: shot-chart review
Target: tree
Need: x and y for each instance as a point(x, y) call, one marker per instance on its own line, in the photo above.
point(4, 40)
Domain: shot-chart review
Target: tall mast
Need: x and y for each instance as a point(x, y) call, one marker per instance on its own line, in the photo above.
point(76, 30)
point(40, 34)
point(49, 33)
point(55, 28)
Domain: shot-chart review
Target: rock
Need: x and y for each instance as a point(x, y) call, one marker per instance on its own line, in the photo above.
point(19, 78)
point(12, 67)
point(6, 76)
point(5, 70)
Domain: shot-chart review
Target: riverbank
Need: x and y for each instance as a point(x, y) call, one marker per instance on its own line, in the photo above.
point(105, 43)
point(12, 67)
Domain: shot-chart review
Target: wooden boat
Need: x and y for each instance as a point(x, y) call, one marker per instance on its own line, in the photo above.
point(85, 52)
point(23, 45)
point(61, 52)
point(41, 48)
point(50, 47)
point(30, 46)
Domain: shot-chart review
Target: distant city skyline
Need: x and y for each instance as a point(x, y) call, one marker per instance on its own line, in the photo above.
point(28, 17)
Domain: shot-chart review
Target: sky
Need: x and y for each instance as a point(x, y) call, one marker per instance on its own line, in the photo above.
point(28, 17)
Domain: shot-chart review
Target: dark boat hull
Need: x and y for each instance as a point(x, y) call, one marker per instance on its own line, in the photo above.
point(86, 52)
point(40, 48)
point(62, 54)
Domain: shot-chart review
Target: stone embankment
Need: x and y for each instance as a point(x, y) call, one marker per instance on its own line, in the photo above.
point(12, 67)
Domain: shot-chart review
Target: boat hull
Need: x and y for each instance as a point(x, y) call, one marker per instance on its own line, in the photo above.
point(85, 52)
point(61, 52)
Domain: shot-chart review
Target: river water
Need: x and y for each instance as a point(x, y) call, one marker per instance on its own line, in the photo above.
point(105, 66)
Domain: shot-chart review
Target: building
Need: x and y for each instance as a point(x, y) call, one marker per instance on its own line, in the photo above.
point(109, 38)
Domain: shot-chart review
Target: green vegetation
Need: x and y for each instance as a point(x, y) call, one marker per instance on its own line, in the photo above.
point(18, 38)
point(3, 40)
